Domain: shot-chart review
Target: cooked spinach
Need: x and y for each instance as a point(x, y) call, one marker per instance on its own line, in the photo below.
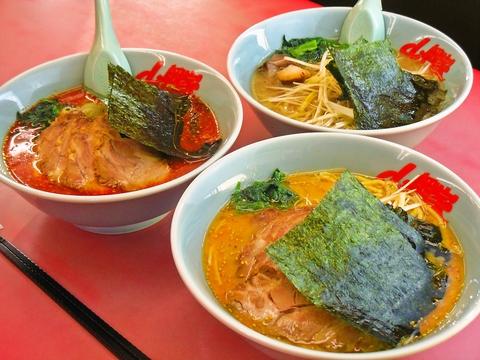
point(307, 49)
point(41, 114)
point(383, 95)
point(150, 116)
point(264, 194)
point(354, 257)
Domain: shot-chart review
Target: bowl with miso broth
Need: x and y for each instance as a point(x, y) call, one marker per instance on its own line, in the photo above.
point(296, 74)
point(119, 163)
point(319, 254)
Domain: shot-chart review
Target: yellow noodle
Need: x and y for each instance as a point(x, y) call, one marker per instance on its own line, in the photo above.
point(316, 99)
point(231, 233)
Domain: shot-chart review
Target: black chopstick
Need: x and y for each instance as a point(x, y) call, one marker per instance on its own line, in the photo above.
point(103, 332)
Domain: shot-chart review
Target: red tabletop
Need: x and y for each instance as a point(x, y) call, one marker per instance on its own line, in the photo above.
point(130, 280)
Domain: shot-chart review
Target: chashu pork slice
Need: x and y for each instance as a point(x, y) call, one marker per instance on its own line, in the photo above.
point(87, 154)
point(266, 295)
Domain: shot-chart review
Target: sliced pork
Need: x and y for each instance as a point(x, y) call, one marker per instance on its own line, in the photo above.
point(88, 154)
point(267, 295)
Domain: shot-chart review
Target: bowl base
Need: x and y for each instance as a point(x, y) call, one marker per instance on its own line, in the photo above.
point(123, 229)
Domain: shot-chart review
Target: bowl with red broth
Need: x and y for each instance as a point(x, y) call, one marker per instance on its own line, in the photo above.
point(296, 75)
point(343, 247)
point(119, 164)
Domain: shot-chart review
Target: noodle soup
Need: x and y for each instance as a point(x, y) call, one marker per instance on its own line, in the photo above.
point(75, 143)
point(256, 291)
point(321, 87)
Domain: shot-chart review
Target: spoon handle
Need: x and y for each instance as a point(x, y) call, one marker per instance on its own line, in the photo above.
point(105, 50)
point(364, 20)
point(104, 32)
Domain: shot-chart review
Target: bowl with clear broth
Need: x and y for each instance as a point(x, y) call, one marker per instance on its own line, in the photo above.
point(297, 77)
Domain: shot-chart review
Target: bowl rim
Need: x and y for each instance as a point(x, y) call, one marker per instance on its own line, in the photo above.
point(217, 310)
point(374, 132)
point(136, 194)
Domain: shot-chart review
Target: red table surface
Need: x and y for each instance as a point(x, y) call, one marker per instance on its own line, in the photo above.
point(130, 280)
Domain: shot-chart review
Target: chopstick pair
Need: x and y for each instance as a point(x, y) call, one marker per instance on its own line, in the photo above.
point(103, 332)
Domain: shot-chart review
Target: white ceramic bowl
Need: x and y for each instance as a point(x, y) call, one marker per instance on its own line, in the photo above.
point(254, 45)
point(209, 192)
point(126, 212)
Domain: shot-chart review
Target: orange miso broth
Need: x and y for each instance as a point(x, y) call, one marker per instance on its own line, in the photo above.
point(21, 150)
point(250, 286)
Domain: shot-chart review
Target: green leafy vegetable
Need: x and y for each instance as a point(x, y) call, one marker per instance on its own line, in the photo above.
point(382, 93)
point(150, 116)
point(307, 49)
point(300, 50)
point(42, 113)
point(353, 256)
point(264, 194)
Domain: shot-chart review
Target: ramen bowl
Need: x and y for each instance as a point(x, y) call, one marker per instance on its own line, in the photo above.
point(211, 190)
point(122, 212)
point(254, 45)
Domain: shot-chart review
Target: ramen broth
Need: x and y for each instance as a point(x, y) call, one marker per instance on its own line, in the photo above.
point(21, 156)
point(232, 232)
point(319, 99)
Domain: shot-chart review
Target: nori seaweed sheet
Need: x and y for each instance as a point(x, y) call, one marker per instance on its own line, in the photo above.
point(429, 232)
point(149, 115)
point(356, 258)
point(432, 237)
point(382, 93)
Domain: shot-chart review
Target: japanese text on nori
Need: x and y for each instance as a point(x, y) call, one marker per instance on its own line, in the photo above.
point(356, 258)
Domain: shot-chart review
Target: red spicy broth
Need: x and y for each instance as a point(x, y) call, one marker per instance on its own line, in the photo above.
point(20, 156)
